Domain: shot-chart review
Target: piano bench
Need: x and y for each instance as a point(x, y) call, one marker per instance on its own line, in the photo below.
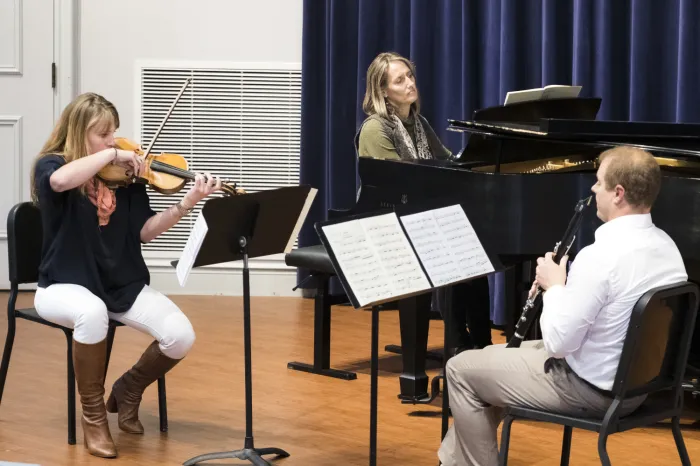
point(316, 260)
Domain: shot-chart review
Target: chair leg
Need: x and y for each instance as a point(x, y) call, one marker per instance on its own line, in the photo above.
point(680, 444)
point(566, 446)
point(71, 388)
point(602, 448)
point(162, 405)
point(110, 341)
point(9, 341)
point(505, 440)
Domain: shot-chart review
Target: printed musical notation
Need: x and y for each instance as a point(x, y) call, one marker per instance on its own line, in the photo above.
point(191, 249)
point(447, 245)
point(376, 258)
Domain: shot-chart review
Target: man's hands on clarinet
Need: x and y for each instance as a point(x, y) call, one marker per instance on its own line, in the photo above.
point(549, 273)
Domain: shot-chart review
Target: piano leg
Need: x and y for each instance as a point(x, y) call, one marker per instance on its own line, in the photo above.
point(414, 321)
point(471, 306)
point(509, 301)
point(518, 280)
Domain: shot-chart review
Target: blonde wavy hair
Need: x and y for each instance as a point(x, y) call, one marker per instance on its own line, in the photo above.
point(69, 137)
point(374, 101)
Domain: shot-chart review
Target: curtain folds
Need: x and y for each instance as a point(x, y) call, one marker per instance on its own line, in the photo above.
point(641, 56)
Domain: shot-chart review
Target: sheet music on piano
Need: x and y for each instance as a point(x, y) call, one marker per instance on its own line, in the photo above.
point(553, 91)
point(447, 245)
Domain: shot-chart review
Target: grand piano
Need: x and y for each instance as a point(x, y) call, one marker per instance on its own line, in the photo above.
point(519, 177)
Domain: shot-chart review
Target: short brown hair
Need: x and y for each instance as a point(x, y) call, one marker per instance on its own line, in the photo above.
point(374, 101)
point(636, 170)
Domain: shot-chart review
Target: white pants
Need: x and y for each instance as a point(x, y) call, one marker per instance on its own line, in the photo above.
point(153, 313)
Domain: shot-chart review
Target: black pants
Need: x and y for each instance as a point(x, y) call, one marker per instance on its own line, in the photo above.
point(471, 306)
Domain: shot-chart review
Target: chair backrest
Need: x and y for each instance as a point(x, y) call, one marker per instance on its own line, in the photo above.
point(24, 240)
point(657, 344)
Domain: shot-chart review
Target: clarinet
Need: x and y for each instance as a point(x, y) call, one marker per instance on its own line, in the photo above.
point(533, 305)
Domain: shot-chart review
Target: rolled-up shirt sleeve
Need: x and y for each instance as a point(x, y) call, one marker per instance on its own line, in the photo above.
point(569, 311)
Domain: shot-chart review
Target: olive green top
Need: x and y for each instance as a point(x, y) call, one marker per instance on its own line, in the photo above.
point(375, 141)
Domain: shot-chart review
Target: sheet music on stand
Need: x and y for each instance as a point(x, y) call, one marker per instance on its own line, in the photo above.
point(284, 219)
point(388, 256)
point(447, 245)
point(191, 249)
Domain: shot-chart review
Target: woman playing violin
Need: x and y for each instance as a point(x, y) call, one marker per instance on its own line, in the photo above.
point(92, 268)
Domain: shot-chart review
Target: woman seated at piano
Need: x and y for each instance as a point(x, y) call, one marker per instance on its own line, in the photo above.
point(395, 129)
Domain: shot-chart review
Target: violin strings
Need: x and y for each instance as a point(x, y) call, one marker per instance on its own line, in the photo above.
point(172, 169)
point(176, 170)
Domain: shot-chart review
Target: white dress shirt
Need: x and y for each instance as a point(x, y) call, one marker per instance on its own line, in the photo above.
point(586, 320)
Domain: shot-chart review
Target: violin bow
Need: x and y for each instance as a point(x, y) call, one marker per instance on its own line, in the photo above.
point(233, 188)
point(167, 115)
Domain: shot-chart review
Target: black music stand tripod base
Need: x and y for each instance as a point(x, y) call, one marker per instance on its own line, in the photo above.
point(249, 452)
point(254, 455)
point(231, 236)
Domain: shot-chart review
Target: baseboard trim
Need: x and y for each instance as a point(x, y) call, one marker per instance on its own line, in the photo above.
point(267, 278)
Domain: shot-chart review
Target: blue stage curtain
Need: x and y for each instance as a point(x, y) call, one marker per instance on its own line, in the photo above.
point(641, 56)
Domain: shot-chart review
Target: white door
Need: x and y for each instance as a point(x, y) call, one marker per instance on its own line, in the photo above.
point(26, 101)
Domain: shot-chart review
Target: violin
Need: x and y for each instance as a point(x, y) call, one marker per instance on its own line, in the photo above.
point(165, 173)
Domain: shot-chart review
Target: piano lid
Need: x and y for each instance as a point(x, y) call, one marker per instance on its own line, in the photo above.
point(596, 130)
point(539, 129)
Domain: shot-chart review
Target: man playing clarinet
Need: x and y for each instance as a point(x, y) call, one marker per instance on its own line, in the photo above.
point(584, 320)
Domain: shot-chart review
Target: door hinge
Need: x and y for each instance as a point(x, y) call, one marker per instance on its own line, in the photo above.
point(53, 75)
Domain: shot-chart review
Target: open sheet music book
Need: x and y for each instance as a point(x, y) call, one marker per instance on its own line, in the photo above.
point(384, 257)
point(553, 91)
point(447, 245)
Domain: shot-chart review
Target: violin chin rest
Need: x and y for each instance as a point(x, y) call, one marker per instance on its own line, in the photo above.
point(113, 174)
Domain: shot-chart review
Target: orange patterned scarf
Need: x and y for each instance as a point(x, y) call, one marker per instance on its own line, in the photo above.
point(103, 198)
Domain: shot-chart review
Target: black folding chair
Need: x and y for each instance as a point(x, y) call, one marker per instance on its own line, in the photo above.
point(24, 238)
point(652, 363)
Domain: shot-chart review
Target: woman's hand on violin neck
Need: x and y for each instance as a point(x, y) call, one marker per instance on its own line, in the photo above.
point(129, 161)
point(164, 220)
point(201, 188)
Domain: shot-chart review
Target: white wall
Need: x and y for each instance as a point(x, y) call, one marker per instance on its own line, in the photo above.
point(115, 34)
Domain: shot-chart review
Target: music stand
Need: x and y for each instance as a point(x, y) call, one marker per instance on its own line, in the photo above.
point(333, 252)
point(243, 227)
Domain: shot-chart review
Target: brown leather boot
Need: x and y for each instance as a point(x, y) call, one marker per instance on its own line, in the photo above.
point(89, 366)
point(128, 389)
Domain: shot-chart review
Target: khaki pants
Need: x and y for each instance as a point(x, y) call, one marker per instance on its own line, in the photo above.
point(482, 382)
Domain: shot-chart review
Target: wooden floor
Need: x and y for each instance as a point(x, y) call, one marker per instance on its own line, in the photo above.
point(318, 420)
